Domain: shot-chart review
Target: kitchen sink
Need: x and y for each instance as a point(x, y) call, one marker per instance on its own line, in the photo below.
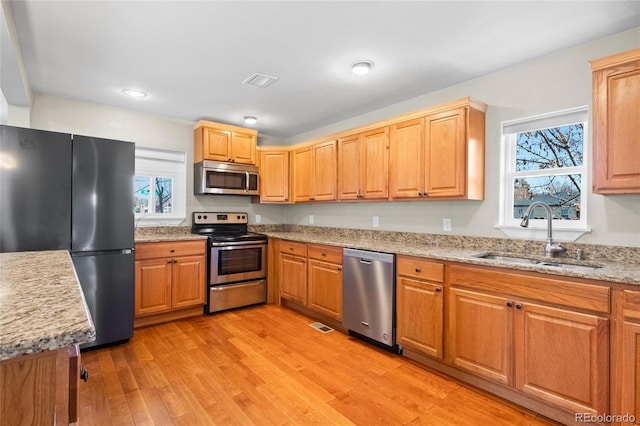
point(556, 263)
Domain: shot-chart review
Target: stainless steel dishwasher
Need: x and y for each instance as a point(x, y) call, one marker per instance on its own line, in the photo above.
point(368, 295)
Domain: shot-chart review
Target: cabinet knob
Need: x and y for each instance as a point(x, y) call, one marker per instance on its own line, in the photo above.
point(438, 289)
point(303, 261)
point(518, 306)
point(339, 268)
point(172, 250)
point(418, 270)
point(291, 248)
point(312, 199)
point(509, 303)
point(323, 254)
point(169, 261)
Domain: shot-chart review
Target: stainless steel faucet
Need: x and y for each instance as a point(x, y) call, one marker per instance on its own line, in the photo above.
point(550, 249)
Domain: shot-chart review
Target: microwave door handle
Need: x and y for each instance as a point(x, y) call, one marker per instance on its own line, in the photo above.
point(246, 183)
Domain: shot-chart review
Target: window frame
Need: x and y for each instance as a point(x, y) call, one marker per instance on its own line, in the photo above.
point(153, 163)
point(564, 230)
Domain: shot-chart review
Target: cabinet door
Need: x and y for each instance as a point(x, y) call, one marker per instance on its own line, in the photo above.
point(349, 174)
point(302, 174)
point(616, 108)
point(152, 286)
point(188, 281)
point(325, 288)
point(325, 171)
point(274, 175)
point(374, 164)
point(562, 357)
point(293, 278)
point(406, 159)
point(629, 385)
point(243, 148)
point(480, 334)
point(445, 154)
point(419, 313)
point(217, 144)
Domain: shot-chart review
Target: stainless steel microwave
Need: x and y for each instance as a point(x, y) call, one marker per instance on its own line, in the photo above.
point(214, 177)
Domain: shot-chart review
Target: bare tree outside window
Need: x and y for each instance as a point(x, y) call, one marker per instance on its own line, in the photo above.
point(164, 195)
point(554, 150)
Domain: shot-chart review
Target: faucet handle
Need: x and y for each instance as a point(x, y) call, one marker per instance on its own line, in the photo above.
point(556, 248)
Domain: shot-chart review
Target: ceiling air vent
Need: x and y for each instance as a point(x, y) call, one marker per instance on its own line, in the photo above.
point(260, 80)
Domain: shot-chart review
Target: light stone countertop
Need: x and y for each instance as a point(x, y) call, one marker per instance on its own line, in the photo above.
point(165, 233)
point(609, 271)
point(42, 306)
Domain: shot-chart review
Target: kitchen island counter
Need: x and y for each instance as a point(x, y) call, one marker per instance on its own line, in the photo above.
point(42, 307)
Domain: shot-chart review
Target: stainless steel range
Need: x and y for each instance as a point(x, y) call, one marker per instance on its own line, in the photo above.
point(237, 260)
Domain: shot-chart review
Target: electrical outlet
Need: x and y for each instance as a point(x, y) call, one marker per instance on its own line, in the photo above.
point(258, 218)
point(312, 219)
point(376, 221)
point(446, 224)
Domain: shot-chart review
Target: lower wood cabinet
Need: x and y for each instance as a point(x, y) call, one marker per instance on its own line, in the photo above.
point(169, 277)
point(325, 280)
point(311, 275)
point(626, 380)
point(419, 305)
point(556, 354)
point(292, 270)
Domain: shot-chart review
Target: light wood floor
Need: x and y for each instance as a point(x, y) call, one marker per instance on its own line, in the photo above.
point(264, 365)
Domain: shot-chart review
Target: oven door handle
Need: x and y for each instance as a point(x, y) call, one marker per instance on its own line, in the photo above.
point(226, 246)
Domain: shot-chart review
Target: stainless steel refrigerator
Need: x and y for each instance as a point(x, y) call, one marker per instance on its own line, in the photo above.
point(70, 192)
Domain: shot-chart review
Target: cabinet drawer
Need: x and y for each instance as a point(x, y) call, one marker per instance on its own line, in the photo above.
point(420, 268)
point(545, 288)
point(290, 247)
point(325, 253)
point(631, 304)
point(170, 249)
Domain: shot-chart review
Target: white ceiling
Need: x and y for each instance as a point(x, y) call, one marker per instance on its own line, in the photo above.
point(191, 57)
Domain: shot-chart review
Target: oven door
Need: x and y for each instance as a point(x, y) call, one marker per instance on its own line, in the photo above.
point(237, 263)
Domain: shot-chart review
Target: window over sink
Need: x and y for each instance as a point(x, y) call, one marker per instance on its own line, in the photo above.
point(159, 187)
point(543, 159)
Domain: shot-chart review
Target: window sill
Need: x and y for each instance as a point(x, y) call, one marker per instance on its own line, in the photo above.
point(567, 235)
point(158, 221)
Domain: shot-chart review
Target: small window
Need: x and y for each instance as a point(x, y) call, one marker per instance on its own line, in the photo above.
point(159, 187)
point(544, 160)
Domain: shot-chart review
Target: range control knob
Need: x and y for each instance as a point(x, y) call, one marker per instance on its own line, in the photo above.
point(199, 216)
point(205, 216)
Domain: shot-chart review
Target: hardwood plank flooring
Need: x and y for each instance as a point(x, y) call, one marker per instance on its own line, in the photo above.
point(264, 365)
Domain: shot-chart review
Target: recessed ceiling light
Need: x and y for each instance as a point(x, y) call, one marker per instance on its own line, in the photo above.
point(250, 119)
point(134, 93)
point(361, 67)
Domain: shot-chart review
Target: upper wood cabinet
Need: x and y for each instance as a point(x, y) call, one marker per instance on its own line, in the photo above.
point(314, 172)
point(616, 128)
point(440, 155)
point(363, 164)
point(274, 176)
point(223, 142)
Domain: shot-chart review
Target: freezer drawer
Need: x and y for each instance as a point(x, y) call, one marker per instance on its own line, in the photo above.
point(107, 283)
point(368, 299)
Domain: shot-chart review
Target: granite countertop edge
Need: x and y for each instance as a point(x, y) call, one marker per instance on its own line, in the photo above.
point(609, 271)
point(26, 327)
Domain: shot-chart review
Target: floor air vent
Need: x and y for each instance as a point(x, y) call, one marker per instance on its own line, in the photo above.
point(320, 327)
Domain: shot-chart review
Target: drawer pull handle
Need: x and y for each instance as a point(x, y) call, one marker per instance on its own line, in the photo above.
point(324, 254)
point(438, 289)
point(172, 250)
point(509, 303)
point(418, 270)
point(518, 306)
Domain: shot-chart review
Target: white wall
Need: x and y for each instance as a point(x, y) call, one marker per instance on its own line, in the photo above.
point(146, 130)
point(550, 83)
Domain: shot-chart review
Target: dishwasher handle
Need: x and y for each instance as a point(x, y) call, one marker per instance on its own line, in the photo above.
point(365, 261)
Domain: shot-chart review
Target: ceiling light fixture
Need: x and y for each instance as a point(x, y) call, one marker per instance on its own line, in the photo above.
point(250, 119)
point(134, 93)
point(361, 67)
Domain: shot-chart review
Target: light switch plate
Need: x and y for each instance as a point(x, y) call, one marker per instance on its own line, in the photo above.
point(312, 219)
point(376, 221)
point(446, 224)
point(258, 218)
